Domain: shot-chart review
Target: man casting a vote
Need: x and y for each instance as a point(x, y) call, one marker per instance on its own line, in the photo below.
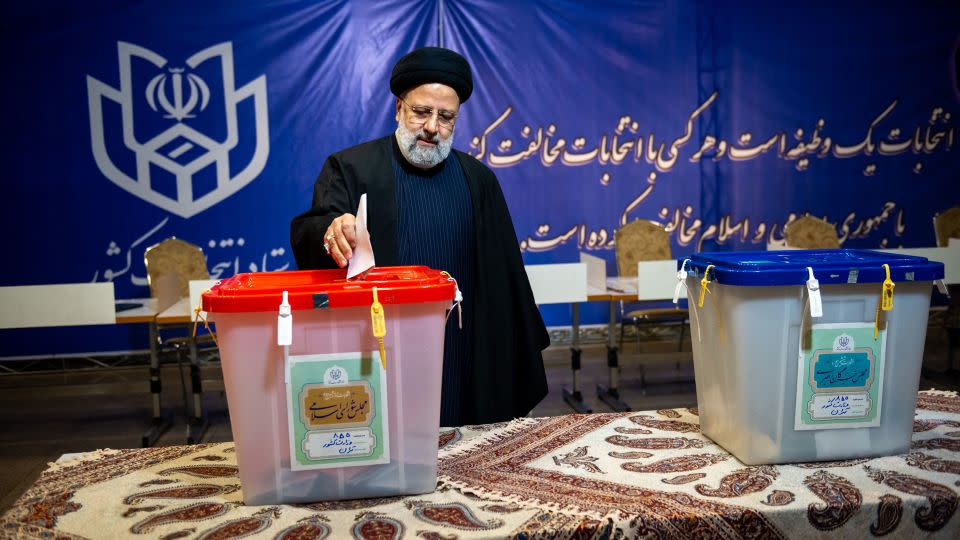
point(429, 204)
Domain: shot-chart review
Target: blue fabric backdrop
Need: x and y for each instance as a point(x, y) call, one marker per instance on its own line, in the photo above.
point(128, 123)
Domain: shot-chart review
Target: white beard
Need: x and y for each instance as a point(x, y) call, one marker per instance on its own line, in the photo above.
point(419, 156)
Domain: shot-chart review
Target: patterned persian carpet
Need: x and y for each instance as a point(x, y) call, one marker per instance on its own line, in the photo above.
point(625, 475)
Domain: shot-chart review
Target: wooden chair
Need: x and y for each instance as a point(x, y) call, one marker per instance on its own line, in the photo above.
point(810, 232)
point(642, 240)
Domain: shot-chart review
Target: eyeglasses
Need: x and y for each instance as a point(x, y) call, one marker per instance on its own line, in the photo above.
point(421, 115)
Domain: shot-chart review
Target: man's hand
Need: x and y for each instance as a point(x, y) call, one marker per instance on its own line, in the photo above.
point(341, 238)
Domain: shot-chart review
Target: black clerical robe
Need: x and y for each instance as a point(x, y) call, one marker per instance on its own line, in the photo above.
point(508, 378)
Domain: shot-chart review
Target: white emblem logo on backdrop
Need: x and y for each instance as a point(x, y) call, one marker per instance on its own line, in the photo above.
point(179, 94)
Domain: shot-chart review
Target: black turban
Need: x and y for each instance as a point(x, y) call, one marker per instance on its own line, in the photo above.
point(432, 65)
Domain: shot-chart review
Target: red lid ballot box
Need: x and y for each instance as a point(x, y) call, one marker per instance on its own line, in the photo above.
point(317, 412)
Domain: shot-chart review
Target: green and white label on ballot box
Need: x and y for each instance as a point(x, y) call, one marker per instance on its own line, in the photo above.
point(337, 405)
point(840, 376)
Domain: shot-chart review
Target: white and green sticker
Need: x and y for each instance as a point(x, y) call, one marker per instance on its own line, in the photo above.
point(337, 405)
point(840, 376)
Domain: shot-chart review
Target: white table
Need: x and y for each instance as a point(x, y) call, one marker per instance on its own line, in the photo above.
point(574, 283)
point(78, 304)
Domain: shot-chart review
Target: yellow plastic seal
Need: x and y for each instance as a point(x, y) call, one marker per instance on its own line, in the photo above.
point(887, 295)
point(885, 302)
point(703, 286)
point(379, 326)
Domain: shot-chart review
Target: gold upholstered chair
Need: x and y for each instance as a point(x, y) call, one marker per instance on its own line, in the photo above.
point(642, 240)
point(171, 265)
point(810, 232)
point(946, 224)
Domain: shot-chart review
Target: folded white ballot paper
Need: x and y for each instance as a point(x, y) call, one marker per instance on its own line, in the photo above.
point(362, 259)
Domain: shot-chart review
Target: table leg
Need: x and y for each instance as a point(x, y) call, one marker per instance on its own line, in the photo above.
point(158, 423)
point(611, 395)
point(574, 397)
point(198, 423)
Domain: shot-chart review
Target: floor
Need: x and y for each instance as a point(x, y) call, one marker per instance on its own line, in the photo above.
point(45, 415)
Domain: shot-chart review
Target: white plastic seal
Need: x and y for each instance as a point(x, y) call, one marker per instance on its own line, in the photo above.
point(813, 291)
point(284, 323)
point(681, 281)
